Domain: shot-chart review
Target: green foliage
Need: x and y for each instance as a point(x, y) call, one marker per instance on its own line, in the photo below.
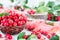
point(56, 37)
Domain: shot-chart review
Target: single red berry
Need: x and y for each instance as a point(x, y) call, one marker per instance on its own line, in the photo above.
point(48, 36)
point(16, 20)
point(6, 24)
point(10, 21)
point(8, 36)
point(39, 36)
point(20, 23)
point(20, 18)
point(49, 18)
point(10, 16)
point(49, 15)
point(33, 32)
point(10, 25)
point(56, 18)
point(53, 34)
point(0, 35)
point(25, 36)
point(14, 24)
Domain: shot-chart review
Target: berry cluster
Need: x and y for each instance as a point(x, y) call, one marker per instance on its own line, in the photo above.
point(53, 17)
point(7, 37)
point(13, 20)
point(45, 33)
point(31, 11)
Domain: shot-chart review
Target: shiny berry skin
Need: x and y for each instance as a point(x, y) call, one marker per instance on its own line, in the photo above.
point(20, 18)
point(8, 36)
point(10, 16)
point(6, 24)
point(14, 24)
point(20, 23)
point(49, 18)
point(48, 36)
point(10, 21)
point(25, 36)
point(10, 25)
point(53, 34)
point(16, 20)
point(4, 20)
point(39, 36)
point(0, 35)
point(49, 15)
point(58, 18)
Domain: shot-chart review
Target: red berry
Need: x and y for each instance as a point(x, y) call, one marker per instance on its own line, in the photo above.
point(53, 34)
point(44, 33)
point(20, 18)
point(15, 24)
point(48, 36)
point(33, 32)
point(31, 11)
point(8, 36)
point(2, 24)
point(4, 20)
point(39, 36)
point(25, 36)
point(16, 20)
point(56, 18)
point(0, 35)
point(49, 15)
point(10, 25)
point(20, 23)
point(10, 16)
point(6, 24)
point(49, 18)
point(10, 21)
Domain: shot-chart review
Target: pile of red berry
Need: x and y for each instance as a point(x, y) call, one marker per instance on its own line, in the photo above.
point(53, 17)
point(31, 11)
point(6, 37)
point(12, 22)
point(40, 32)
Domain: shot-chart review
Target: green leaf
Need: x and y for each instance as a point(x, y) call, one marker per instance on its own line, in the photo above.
point(42, 9)
point(56, 37)
point(21, 35)
point(32, 36)
point(41, 4)
point(22, 39)
point(56, 7)
point(1, 4)
point(3, 14)
point(50, 4)
point(24, 6)
point(58, 12)
point(12, 0)
point(26, 1)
